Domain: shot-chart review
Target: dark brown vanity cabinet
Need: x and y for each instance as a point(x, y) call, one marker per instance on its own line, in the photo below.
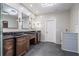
point(8, 47)
point(19, 44)
point(22, 45)
point(16, 46)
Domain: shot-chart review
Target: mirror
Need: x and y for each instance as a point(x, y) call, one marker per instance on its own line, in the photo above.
point(10, 17)
point(25, 22)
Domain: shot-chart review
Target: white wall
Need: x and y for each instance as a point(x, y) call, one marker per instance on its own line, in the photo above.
point(75, 20)
point(62, 22)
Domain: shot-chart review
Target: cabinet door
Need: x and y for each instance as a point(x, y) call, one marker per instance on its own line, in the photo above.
point(8, 47)
point(21, 46)
point(70, 42)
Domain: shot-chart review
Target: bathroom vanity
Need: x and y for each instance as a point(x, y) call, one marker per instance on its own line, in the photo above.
point(16, 39)
point(18, 43)
point(69, 42)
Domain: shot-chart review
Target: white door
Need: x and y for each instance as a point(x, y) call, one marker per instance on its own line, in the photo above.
point(51, 31)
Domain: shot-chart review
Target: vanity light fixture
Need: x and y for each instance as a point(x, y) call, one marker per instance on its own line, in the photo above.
point(47, 4)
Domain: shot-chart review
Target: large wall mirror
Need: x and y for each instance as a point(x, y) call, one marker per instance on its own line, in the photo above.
point(25, 22)
point(10, 17)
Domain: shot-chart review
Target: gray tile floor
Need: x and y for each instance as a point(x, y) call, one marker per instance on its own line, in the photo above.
point(48, 49)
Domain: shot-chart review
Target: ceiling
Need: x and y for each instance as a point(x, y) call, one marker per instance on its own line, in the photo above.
point(37, 9)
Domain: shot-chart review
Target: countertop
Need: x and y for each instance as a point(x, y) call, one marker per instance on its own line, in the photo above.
point(17, 36)
point(9, 35)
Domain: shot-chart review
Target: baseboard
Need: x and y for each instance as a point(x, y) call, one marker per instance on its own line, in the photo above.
point(51, 42)
point(70, 50)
